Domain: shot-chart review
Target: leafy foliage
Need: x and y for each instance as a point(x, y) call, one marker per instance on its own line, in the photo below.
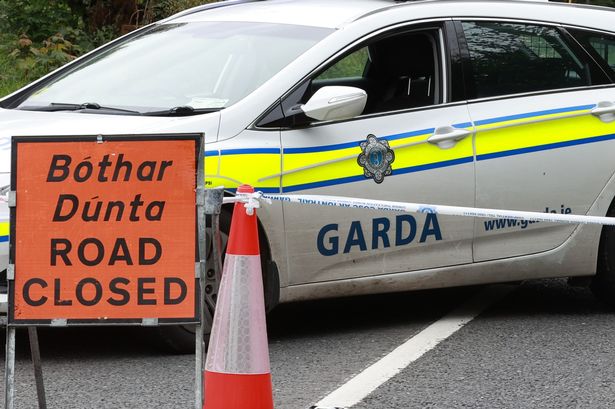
point(164, 8)
point(33, 61)
point(39, 19)
point(38, 36)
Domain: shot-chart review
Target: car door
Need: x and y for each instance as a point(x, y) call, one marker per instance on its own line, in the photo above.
point(408, 114)
point(538, 145)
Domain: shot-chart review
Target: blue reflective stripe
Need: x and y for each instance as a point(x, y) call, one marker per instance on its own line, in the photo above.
point(275, 151)
point(269, 189)
point(550, 146)
point(312, 149)
point(257, 189)
point(428, 166)
point(408, 134)
point(4, 239)
point(360, 178)
point(533, 114)
point(326, 148)
point(355, 144)
point(325, 183)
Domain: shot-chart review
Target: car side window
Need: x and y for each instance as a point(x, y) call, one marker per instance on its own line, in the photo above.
point(514, 58)
point(398, 72)
point(601, 46)
point(351, 66)
point(605, 47)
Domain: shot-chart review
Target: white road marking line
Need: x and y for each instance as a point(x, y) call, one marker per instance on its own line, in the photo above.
point(361, 385)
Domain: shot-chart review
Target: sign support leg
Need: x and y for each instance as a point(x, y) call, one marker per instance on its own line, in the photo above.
point(9, 370)
point(38, 367)
point(212, 206)
point(198, 404)
point(200, 274)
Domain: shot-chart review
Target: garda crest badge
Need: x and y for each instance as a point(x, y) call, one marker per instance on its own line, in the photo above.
point(376, 158)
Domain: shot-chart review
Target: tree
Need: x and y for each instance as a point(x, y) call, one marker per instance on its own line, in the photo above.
point(127, 14)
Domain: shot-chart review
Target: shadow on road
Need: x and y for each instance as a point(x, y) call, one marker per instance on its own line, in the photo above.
point(548, 297)
point(327, 317)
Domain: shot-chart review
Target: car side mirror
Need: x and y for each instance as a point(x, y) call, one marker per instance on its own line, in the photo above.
point(335, 103)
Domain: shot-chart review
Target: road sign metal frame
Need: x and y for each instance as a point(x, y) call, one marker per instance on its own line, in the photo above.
point(202, 320)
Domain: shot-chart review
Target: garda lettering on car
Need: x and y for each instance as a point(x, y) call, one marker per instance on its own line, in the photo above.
point(401, 231)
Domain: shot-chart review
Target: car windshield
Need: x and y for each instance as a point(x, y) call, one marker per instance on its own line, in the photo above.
point(202, 66)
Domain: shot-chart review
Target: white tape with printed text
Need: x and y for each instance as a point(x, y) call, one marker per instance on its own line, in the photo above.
point(348, 202)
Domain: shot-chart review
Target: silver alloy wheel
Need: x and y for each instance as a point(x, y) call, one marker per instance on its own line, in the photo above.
point(180, 338)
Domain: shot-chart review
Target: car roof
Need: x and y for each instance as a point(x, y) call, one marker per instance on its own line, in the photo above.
point(338, 13)
point(320, 13)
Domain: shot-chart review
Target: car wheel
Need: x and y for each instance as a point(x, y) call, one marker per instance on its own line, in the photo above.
point(603, 284)
point(181, 338)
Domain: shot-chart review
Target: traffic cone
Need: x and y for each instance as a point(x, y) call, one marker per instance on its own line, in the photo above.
point(237, 372)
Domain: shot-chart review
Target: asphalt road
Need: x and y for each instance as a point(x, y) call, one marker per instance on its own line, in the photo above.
point(545, 345)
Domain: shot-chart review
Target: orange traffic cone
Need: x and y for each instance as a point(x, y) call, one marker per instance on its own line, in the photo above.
point(237, 372)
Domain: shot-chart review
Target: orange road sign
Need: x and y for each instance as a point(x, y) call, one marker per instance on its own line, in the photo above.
point(104, 229)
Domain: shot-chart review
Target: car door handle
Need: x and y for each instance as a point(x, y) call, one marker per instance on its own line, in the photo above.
point(446, 136)
point(605, 110)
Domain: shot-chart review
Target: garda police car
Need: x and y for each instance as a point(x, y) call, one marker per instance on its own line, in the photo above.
point(492, 104)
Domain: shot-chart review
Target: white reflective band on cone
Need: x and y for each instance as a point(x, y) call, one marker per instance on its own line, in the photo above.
point(239, 335)
point(352, 203)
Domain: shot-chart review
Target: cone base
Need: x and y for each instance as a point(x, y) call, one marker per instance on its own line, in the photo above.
point(233, 391)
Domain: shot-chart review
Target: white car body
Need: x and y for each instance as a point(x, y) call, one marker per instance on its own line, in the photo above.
point(326, 252)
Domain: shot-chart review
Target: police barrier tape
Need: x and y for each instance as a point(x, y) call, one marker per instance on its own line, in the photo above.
point(252, 201)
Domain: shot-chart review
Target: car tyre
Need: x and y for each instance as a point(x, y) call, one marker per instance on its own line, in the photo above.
point(180, 339)
point(603, 284)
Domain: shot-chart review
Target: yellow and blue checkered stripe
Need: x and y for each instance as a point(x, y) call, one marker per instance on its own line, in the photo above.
point(412, 154)
point(540, 131)
point(233, 167)
point(4, 232)
point(330, 165)
point(312, 167)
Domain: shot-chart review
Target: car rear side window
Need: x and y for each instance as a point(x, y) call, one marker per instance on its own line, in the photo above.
point(605, 47)
point(601, 46)
point(513, 58)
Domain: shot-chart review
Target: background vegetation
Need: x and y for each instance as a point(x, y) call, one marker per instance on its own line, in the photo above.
point(37, 36)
